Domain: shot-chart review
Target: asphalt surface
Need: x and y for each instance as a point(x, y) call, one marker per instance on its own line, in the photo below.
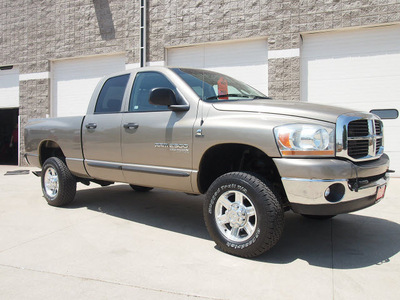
point(112, 242)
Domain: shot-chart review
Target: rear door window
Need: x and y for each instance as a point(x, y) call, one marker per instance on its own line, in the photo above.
point(111, 95)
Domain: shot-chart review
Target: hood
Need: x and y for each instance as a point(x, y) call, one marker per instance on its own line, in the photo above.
point(288, 108)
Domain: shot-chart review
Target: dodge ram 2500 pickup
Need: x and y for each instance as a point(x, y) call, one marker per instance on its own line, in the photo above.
point(202, 132)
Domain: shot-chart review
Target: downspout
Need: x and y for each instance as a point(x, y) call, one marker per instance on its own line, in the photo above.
point(143, 29)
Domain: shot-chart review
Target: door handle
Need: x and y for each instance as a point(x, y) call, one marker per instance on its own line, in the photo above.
point(91, 126)
point(131, 126)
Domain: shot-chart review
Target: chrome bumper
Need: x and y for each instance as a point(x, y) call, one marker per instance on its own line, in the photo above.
point(311, 196)
point(334, 186)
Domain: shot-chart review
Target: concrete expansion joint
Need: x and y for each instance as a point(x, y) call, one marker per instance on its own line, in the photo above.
point(109, 282)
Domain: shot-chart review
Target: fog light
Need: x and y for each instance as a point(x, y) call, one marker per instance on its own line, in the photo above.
point(327, 192)
point(335, 192)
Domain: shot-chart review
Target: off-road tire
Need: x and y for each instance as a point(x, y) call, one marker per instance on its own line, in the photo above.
point(141, 189)
point(58, 184)
point(243, 214)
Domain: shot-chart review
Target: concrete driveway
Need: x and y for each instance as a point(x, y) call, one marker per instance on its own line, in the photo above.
point(113, 242)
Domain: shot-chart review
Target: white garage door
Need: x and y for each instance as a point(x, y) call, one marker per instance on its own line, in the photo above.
point(358, 69)
point(75, 79)
point(9, 88)
point(243, 60)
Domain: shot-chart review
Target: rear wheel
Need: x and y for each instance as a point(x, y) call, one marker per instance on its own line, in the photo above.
point(243, 214)
point(58, 184)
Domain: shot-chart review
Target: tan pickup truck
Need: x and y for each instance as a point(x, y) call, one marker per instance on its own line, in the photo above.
point(202, 132)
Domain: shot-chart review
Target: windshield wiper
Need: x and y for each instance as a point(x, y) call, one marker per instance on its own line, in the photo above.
point(228, 95)
point(259, 97)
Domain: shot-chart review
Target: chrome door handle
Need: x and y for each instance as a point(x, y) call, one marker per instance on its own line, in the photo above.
point(131, 126)
point(91, 126)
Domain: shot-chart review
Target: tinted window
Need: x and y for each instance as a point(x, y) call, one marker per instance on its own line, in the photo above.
point(112, 94)
point(144, 83)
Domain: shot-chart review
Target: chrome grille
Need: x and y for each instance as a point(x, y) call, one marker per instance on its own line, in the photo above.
point(379, 144)
point(358, 128)
point(357, 148)
point(378, 127)
point(359, 137)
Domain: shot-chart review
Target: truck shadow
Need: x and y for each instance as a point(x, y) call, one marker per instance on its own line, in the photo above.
point(162, 209)
point(348, 241)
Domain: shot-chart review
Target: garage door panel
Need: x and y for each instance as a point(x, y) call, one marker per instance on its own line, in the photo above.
point(354, 67)
point(9, 88)
point(347, 43)
point(358, 69)
point(249, 53)
point(186, 57)
point(243, 60)
point(352, 92)
point(74, 81)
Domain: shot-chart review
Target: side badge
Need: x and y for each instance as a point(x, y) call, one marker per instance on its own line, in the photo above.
point(199, 133)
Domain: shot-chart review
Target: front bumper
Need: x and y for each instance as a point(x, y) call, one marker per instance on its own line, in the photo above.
point(331, 186)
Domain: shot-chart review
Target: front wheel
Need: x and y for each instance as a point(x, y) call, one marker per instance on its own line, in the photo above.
point(58, 184)
point(243, 214)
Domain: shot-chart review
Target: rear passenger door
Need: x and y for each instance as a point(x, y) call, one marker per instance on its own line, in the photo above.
point(101, 131)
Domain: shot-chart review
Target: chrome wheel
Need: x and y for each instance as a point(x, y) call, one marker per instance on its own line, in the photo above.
point(51, 182)
point(235, 216)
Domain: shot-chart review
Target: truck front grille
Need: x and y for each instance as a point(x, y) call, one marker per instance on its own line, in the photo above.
point(358, 128)
point(359, 137)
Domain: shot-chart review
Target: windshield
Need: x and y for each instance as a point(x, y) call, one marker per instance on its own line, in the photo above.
point(211, 86)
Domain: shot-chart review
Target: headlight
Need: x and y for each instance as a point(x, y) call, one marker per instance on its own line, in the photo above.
point(305, 140)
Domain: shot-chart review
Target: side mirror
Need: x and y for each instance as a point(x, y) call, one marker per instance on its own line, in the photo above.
point(166, 96)
point(162, 96)
point(386, 113)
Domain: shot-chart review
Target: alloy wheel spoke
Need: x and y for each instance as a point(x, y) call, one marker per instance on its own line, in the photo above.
point(223, 219)
point(250, 211)
point(225, 202)
point(235, 232)
point(238, 197)
point(249, 228)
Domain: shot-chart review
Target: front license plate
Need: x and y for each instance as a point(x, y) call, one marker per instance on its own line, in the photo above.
point(380, 192)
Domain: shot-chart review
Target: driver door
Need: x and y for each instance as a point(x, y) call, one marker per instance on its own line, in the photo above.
point(156, 142)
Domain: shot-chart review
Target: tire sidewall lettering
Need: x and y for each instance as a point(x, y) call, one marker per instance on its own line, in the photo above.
point(217, 193)
point(247, 244)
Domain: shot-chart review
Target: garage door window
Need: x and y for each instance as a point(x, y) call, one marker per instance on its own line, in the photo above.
point(112, 94)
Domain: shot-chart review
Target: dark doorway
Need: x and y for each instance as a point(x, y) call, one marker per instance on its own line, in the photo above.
point(9, 136)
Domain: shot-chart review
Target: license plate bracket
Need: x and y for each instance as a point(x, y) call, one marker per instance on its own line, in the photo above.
point(380, 192)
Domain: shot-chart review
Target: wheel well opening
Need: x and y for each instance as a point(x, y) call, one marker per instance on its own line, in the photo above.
point(50, 149)
point(226, 158)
